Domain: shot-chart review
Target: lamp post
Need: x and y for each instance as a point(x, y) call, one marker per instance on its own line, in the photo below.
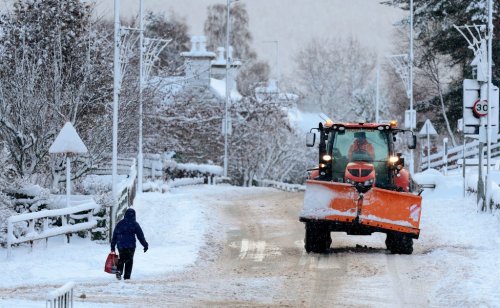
point(228, 92)
point(116, 89)
point(412, 114)
point(149, 50)
point(140, 159)
point(490, 104)
point(403, 64)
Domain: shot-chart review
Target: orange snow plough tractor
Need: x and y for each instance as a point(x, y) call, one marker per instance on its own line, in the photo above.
point(360, 186)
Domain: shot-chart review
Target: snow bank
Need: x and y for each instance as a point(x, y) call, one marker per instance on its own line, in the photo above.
point(202, 168)
point(429, 176)
point(460, 244)
point(220, 88)
point(174, 225)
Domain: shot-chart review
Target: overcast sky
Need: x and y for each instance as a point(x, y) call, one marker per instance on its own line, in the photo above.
point(291, 22)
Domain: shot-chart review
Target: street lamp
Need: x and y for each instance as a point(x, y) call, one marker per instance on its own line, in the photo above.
point(413, 117)
point(228, 92)
point(148, 54)
point(403, 64)
point(116, 86)
point(489, 88)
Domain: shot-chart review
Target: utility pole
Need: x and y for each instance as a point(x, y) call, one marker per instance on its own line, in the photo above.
point(403, 64)
point(412, 164)
point(149, 50)
point(140, 158)
point(490, 105)
point(116, 90)
point(228, 92)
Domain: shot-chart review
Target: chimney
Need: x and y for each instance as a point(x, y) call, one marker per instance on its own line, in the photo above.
point(198, 61)
point(219, 67)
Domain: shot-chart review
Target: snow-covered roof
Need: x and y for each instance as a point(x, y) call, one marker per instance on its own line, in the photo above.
point(221, 60)
point(304, 120)
point(272, 91)
point(219, 86)
point(68, 141)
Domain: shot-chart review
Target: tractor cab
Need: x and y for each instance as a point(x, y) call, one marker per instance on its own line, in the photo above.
point(363, 155)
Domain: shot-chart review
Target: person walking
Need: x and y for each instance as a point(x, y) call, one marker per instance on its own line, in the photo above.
point(124, 236)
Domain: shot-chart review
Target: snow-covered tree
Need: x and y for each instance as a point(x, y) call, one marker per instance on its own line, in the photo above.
point(251, 75)
point(189, 124)
point(54, 67)
point(171, 27)
point(263, 144)
point(442, 38)
point(6, 204)
point(442, 57)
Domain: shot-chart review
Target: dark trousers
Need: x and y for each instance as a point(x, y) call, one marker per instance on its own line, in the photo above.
point(126, 260)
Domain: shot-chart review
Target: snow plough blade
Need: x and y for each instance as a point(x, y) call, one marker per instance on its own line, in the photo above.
point(378, 209)
point(330, 201)
point(398, 211)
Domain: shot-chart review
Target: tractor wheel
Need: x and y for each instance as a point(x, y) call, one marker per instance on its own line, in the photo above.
point(317, 239)
point(399, 244)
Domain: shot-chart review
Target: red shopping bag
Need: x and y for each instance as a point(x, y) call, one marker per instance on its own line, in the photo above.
point(111, 265)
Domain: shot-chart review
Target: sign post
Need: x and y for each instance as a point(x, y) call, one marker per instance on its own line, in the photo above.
point(428, 130)
point(445, 155)
point(68, 142)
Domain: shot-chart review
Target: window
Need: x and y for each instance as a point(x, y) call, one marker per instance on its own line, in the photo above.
point(339, 144)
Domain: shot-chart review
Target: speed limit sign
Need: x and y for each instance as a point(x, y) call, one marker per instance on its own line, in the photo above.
point(480, 108)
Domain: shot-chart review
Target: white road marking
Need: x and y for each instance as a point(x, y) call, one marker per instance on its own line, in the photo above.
point(244, 249)
point(254, 250)
point(261, 251)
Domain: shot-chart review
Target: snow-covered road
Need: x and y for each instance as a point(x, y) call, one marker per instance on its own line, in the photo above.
point(222, 245)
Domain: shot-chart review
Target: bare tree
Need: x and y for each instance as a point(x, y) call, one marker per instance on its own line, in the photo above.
point(174, 28)
point(331, 73)
point(240, 39)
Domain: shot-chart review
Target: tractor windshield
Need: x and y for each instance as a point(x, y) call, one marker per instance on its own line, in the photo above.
point(353, 144)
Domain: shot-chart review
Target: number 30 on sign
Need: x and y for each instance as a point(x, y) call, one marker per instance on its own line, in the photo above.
point(480, 108)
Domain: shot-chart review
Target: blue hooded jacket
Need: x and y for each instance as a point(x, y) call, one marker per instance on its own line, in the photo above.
point(126, 231)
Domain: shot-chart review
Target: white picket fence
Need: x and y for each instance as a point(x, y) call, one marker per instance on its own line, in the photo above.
point(125, 196)
point(44, 230)
point(454, 158)
point(62, 297)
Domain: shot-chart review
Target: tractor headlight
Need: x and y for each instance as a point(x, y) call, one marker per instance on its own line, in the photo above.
point(327, 157)
point(393, 159)
point(369, 182)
